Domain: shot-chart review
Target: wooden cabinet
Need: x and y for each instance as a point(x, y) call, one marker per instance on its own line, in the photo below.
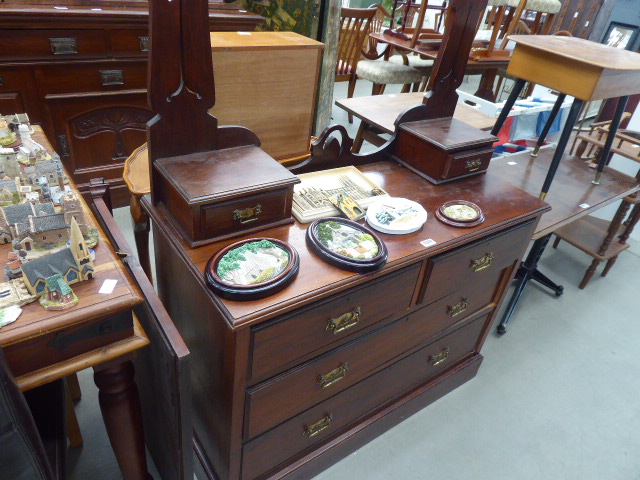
point(277, 101)
point(285, 386)
point(81, 72)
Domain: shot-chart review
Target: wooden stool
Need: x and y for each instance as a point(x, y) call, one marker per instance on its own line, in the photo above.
point(136, 176)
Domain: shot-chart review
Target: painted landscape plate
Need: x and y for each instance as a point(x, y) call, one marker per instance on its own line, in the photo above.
point(347, 244)
point(252, 268)
point(396, 216)
point(460, 213)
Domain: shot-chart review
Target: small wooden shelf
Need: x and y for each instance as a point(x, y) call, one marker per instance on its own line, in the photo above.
point(587, 233)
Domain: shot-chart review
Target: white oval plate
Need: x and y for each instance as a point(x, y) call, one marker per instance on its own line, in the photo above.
point(396, 215)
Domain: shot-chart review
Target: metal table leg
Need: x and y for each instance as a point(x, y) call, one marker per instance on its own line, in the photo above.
point(528, 271)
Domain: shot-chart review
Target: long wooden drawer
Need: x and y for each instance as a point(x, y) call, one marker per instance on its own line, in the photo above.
point(286, 395)
point(130, 43)
point(475, 264)
point(314, 425)
point(52, 44)
point(95, 77)
point(308, 330)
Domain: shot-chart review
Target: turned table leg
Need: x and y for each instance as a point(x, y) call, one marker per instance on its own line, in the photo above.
point(589, 273)
point(141, 228)
point(121, 411)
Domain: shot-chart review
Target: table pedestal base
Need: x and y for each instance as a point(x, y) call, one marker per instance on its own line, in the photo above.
point(529, 271)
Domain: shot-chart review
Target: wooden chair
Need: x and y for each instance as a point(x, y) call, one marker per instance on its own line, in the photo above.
point(545, 13)
point(355, 25)
point(354, 30)
point(596, 236)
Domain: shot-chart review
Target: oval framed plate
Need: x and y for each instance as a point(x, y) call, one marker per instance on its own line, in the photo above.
point(460, 213)
point(253, 268)
point(346, 244)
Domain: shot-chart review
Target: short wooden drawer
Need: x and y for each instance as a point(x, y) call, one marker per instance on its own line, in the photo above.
point(52, 44)
point(100, 77)
point(129, 43)
point(321, 421)
point(465, 163)
point(478, 263)
point(306, 331)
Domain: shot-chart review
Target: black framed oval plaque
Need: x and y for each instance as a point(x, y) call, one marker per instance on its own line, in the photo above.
point(252, 269)
point(347, 244)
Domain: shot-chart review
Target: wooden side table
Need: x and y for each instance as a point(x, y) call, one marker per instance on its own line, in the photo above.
point(100, 332)
point(573, 66)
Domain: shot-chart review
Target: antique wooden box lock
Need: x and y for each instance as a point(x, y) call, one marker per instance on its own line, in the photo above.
point(224, 193)
point(444, 149)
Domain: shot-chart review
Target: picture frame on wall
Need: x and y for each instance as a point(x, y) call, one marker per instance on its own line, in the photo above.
point(620, 35)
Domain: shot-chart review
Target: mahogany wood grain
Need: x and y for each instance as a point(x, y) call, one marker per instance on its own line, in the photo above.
point(486, 191)
point(443, 149)
point(220, 333)
point(288, 439)
point(577, 197)
point(453, 55)
point(277, 344)
point(453, 269)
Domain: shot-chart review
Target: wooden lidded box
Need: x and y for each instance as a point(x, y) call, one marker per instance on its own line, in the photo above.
point(224, 193)
point(444, 149)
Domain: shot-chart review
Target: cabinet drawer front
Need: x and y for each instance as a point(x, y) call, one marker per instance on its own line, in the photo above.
point(286, 395)
point(317, 423)
point(467, 163)
point(475, 264)
point(105, 76)
point(130, 43)
point(244, 213)
point(52, 44)
point(306, 331)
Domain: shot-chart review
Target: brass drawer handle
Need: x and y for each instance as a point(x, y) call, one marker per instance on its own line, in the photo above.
point(144, 44)
point(344, 321)
point(481, 263)
point(458, 308)
point(247, 215)
point(111, 77)
point(472, 165)
point(316, 428)
point(63, 46)
point(334, 376)
point(436, 360)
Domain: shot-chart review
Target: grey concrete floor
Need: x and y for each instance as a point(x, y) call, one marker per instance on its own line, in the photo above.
point(557, 397)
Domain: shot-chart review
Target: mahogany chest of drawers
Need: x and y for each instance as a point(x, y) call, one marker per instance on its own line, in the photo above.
point(81, 72)
point(285, 386)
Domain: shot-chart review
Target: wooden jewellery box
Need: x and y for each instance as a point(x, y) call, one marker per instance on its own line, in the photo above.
point(220, 194)
point(444, 149)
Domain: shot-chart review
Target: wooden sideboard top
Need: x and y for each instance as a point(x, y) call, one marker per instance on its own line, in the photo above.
point(14, 15)
point(35, 320)
point(502, 204)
